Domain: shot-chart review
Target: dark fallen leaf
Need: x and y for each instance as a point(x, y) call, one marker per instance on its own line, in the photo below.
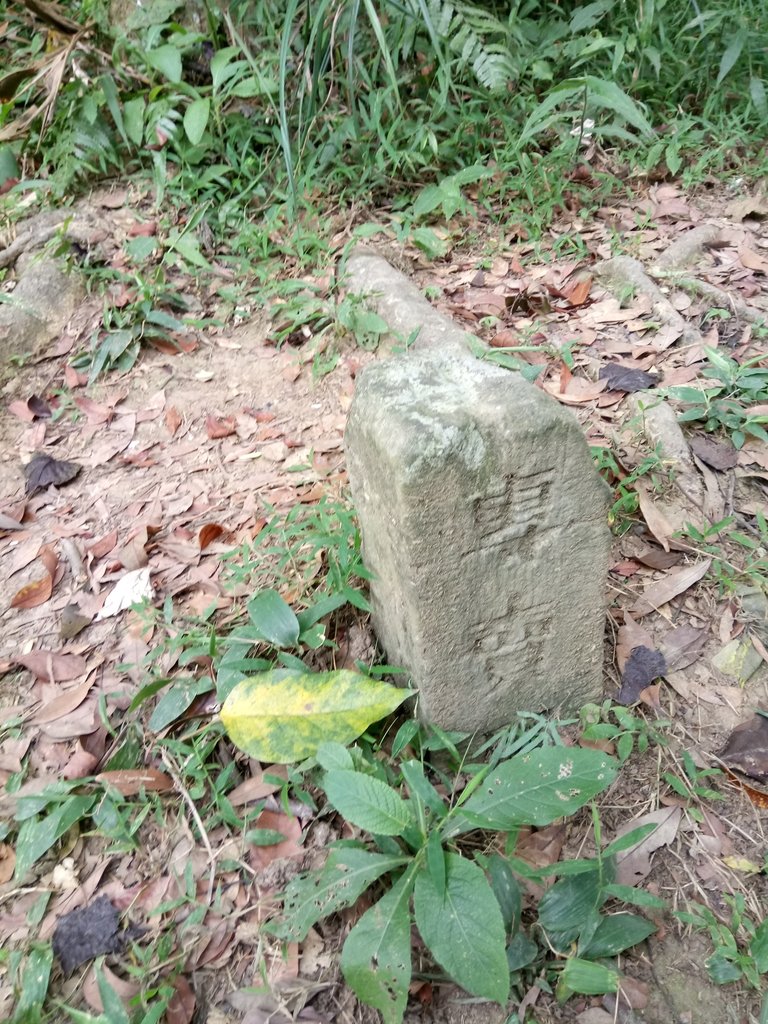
point(72, 621)
point(683, 646)
point(747, 748)
point(44, 470)
point(642, 667)
point(627, 378)
point(39, 407)
point(657, 558)
point(86, 933)
point(717, 454)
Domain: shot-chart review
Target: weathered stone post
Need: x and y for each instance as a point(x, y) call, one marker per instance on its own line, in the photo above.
point(484, 524)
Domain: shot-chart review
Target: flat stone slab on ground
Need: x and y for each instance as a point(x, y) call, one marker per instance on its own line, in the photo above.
point(484, 524)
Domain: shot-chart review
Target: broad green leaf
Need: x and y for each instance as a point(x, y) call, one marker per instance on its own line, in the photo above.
point(34, 984)
point(175, 702)
point(506, 890)
point(264, 837)
point(616, 933)
point(436, 863)
point(346, 874)
point(541, 786)
point(463, 928)
point(757, 94)
point(585, 978)
point(196, 119)
point(721, 969)
point(616, 100)
point(367, 802)
point(273, 619)
point(37, 835)
point(521, 951)
point(422, 788)
point(376, 959)
point(110, 1000)
point(284, 718)
point(637, 897)
point(167, 60)
point(133, 118)
point(567, 903)
point(334, 755)
point(731, 54)
point(758, 947)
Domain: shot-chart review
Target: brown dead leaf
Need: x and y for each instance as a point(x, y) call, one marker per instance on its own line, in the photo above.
point(64, 704)
point(747, 748)
point(257, 787)
point(126, 990)
point(541, 847)
point(173, 419)
point(676, 582)
point(751, 206)
point(48, 665)
point(208, 534)
point(33, 594)
point(683, 646)
point(220, 426)
point(753, 260)
point(181, 1005)
point(630, 636)
point(633, 865)
point(7, 863)
point(288, 826)
point(102, 545)
point(80, 764)
point(129, 781)
point(655, 519)
point(717, 454)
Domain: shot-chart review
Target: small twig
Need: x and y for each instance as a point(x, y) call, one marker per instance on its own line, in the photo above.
point(197, 819)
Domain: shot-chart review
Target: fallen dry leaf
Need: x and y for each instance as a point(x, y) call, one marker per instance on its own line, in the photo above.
point(48, 665)
point(633, 865)
point(655, 520)
point(683, 646)
point(208, 534)
point(173, 419)
point(747, 748)
point(64, 704)
point(220, 426)
point(676, 582)
point(130, 589)
point(33, 594)
point(130, 781)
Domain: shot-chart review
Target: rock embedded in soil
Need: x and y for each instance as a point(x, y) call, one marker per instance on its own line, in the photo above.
point(484, 525)
point(45, 297)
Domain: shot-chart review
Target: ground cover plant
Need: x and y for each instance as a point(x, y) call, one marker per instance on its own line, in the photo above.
point(183, 570)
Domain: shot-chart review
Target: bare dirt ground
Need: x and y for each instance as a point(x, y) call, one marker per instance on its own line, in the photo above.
point(180, 461)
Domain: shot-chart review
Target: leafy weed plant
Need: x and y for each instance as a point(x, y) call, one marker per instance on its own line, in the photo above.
point(726, 403)
point(466, 906)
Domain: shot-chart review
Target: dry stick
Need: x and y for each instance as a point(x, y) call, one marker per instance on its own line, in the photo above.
point(197, 819)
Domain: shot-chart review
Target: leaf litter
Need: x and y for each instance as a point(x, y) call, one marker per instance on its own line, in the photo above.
point(174, 479)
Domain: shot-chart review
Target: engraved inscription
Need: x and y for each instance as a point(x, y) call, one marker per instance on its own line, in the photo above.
point(520, 631)
point(504, 516)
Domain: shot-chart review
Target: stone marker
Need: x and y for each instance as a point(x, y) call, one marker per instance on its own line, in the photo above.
point(484, 524)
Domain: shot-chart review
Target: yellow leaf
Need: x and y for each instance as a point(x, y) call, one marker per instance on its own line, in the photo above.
point(282, 717)
point(747, 867)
